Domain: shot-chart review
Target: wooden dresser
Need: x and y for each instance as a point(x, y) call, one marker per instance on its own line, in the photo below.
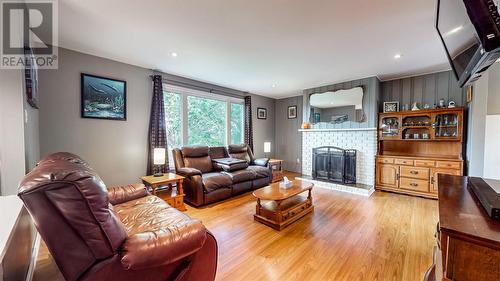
point(468, 240)
point(415, 146)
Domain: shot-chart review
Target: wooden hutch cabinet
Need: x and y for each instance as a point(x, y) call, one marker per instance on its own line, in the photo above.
point(415, 146)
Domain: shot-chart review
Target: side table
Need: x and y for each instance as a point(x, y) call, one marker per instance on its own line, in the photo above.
point(277, 168)
point(162, 187)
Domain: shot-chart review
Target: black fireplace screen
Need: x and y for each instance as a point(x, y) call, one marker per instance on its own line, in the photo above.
point(334, 164)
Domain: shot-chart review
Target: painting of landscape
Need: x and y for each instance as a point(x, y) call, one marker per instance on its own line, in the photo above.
point(103, 98)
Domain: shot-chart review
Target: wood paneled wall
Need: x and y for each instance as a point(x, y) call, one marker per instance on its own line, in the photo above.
point(423, 89)
point(370, 99)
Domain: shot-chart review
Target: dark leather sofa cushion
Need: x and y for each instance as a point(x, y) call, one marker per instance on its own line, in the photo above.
point(260, 172)
point(197, 157)
point(230, 164)
point(214, 181)
point(241, 175)
point(162, 235)
point(194, 151)
point(120, 194)
point(239, 151)
point(216, 152)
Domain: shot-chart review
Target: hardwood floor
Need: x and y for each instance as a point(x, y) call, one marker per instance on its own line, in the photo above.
point(347, 237)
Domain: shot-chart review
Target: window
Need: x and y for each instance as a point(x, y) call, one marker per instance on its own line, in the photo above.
point(200, 118)
point(237, 123)
point(173, 120)
point(206, 121)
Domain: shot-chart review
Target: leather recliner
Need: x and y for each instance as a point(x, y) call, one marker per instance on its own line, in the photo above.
point(207, 183)
point(120, 233)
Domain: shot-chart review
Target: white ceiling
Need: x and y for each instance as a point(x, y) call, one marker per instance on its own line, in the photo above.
point(250, 45)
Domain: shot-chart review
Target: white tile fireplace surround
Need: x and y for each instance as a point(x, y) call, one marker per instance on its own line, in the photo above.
point(363, 140)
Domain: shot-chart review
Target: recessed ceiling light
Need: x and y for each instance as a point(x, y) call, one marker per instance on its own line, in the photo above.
point(273, 85)
point(173, 54)
point(397, 56)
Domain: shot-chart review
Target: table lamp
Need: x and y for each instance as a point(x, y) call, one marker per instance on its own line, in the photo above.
point(267, 148)
point(159, 159)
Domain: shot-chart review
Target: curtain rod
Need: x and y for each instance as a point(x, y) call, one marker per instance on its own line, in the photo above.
point(199, 88)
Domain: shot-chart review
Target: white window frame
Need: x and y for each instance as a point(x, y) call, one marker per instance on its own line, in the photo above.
point(185, 92)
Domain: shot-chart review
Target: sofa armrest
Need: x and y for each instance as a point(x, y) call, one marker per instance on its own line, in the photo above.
point(121, 194)
point(163, 246)
point(261, 162)
point(188, 172)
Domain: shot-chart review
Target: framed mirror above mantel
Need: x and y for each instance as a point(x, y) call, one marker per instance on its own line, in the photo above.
point(336, 107)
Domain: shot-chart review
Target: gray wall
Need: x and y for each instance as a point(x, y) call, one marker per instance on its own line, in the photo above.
point(263, 129)
point(31, 136)
point(424, 89)
point(494, 89)
point(485, 101)
point(371, 98)
point(116, 149)
point(288, 138)
point(12, 150)
point(476, 120)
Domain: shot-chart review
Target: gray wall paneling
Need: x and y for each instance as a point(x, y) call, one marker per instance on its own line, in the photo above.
point(425, 89)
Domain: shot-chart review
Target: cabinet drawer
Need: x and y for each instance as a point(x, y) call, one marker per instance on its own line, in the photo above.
point(407, 162)
point(386, 160)
point(448, 165)
point(414, 172)
point(425, 163)
point(414, 184)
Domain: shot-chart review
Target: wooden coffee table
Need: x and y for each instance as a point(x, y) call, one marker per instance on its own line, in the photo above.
point(281, 206)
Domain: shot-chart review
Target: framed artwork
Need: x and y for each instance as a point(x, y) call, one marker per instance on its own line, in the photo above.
point(292, 112)
point(261, 113)
point(391, 106)
point(103, 98)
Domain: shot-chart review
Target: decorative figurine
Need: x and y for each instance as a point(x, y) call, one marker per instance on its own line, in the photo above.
point(427, 106)
point(442, 103)
point(415, 106)
point(451, 104)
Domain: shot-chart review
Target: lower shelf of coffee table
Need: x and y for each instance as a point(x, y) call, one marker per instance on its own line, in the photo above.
point(279, 215)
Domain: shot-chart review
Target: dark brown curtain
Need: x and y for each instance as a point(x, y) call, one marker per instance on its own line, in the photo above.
point(248, 122)
point(157, 128)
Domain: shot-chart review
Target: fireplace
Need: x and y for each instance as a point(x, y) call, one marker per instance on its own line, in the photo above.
point(334, 164)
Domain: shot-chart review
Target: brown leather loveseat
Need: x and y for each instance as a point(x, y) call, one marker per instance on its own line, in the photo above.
point(207, 183)
point(121, 233)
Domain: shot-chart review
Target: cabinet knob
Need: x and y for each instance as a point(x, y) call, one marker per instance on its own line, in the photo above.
point(414, 184)
point(414, 172)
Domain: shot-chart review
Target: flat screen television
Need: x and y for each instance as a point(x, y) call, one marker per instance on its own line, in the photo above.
point(470, 32)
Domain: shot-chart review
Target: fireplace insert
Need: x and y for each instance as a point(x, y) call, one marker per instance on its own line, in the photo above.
point(334, 164)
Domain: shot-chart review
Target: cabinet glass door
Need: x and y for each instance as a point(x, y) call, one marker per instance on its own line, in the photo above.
point(446, 126)
point(390, 127)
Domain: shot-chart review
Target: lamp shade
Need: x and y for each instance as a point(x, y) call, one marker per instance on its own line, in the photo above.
point(267, 147)
point(159, 156)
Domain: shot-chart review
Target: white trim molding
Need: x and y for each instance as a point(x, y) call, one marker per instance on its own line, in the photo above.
point(337, 130)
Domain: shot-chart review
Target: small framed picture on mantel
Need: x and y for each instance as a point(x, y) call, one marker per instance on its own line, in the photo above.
point(391, 106)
